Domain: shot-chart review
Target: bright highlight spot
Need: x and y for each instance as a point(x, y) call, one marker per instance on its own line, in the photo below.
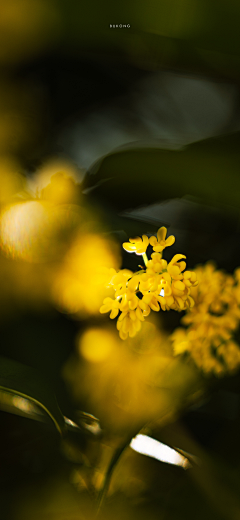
point(69, 422)
point(20, 406)
point(23, 404)
point(155, 449)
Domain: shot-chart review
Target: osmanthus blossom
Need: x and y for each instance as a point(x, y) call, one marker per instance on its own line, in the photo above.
point(136, 245)
point(160, 242)
point(161, 285)
point(209, 337)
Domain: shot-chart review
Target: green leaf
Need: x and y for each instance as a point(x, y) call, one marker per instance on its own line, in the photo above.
point(24, 391)
point(207, 170)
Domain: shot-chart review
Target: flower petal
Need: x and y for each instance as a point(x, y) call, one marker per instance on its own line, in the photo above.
point(170, 241)
point(105, 308)
point(145, 241)
point(161, 234)
point(135, 240)
point(114, 313)
point(153, 241)
point(158, 248)
point(176, 258)
point(130, 248)
point(123, 335)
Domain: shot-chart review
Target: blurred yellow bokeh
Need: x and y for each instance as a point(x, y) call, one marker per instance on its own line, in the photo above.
point(96, 344)
point(35, 231)
point(125, 384)
point(79, 282)
point(57, 181)
point(23, 227)
point(38, 213)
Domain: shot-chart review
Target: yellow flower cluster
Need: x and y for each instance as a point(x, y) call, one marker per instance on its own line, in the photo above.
point(161, 285)
point(211, 324)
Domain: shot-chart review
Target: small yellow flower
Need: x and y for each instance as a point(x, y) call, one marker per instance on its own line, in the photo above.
point(110, 305)
point(212, 321)
point(156, 264)
point(160, 242)
point(137, 245)
point(128, 323)
point(175, 267)
point(118, 279)
point(161, 286)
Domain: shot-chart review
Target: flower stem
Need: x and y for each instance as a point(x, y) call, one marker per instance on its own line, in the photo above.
point(145, 259)
point(114, 461)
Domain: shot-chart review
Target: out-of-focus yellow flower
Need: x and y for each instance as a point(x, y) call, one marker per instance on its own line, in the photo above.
point(160, 242)
point(211, 323)
point(180, 341)
point(96, 345)
point(26, 231)
point(136, 245)
point(128, 383)
point(57, 181)
point(38, 215)
point(83, 273)
point(160, 286)
point(61, 189)
point(36, 231)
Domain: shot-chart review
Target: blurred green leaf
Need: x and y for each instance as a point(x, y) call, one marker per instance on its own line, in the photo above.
point(207, 170)
point(26, 386)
